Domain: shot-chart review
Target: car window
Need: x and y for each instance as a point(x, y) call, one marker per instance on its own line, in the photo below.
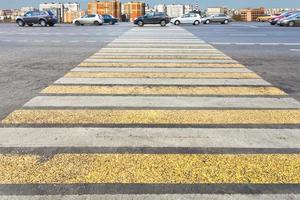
point(150, 14)
point(29, 14)
point(84, 16)
point(91, 16)
point(36, 14)
point(50, 13)
point(186, 15)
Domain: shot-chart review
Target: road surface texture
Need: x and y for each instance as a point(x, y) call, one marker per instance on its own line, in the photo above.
point(156, 113)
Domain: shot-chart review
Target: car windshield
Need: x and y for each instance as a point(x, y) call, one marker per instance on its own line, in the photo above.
point(50, 13)
point(293, 16)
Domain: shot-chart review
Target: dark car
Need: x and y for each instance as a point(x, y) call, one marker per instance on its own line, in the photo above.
point(220, 18)
point(293, 20)
point(275, 19)
point(43, 18)
point(153, 18)
point(108, 19)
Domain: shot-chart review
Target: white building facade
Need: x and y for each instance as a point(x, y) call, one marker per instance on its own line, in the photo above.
point(175, 10)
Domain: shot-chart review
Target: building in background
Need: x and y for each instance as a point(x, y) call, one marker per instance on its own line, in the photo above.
point(27, 9)
point(249, 14)
point(56, 8)
point(160, 8)
point(105, 7)
point(175, 10)
point(71, 12)
point(215, 10)
point(188, 9)
point(149, 9)
point(133, 10)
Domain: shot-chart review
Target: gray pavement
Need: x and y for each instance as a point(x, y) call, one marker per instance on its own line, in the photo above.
point(31, 58)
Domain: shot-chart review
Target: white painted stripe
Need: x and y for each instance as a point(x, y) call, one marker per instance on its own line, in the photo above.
point(157, 61)
point(159, 54)
point(161, 49)
point(291, 44)
point(156, 102)
point(248, 35)
point(150, 137)
point(115, 69)
point(152, 81)
point(295, 50)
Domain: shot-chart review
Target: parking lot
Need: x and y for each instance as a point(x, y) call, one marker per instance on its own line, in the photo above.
point(34, 57)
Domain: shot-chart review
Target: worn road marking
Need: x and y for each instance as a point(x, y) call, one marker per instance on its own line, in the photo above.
point(151, 168)
point(160, 75)
point(164, 90)
point(150, 137)
point(195, 117)
point(162, 102)
point(159, 64)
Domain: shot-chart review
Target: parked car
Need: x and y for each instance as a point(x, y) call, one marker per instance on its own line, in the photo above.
point(92, 19)
point(275, 19)
point(43, 18)
point(109, 19)
point(264, 18)
point(190, 18)
point(153, 18)
point(220, 18)
point(293, 20)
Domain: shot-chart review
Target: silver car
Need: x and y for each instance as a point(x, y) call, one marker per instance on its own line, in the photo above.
point(220, 18)
point(94, 19)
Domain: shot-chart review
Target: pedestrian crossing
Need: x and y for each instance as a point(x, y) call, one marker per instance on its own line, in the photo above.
point(157, 114)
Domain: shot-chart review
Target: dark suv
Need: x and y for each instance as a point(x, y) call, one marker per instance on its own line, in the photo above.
point(43, 18)
point(109, 19)
point(153, 18)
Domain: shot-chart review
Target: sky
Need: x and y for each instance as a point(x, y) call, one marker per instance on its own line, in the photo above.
point(8, 4)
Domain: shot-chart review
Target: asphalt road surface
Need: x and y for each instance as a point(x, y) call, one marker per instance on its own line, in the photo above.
point(124, 112)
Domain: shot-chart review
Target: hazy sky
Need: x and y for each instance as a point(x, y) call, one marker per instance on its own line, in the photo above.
point(203, 3)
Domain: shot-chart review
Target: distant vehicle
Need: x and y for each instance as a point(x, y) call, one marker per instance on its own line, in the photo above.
point(190, 18)
point(109, 19)
point(293, 20)
point(275, 19)
point(43, 18)
point(92, 19)
point(220, 18)
point(153, 18)
point(264, 18)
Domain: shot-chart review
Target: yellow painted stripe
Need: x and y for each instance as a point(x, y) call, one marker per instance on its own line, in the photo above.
point(147, 65)
point(160, 75)
point(163, 90)
point(221, 57)
point(151, 169)
point(195, 117)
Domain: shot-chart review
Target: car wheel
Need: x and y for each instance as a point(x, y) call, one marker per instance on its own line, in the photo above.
point(96, 23)
point(110, 23)
point(51, 24)
point(196, 22)
point(140, 23)
point(77, 23)
point(163, 23)
point(30, 24)
point(43, 23)
point(20, 23)
point(291, 24)
point(207, 21)
point(177, 22)
point(226, 21)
